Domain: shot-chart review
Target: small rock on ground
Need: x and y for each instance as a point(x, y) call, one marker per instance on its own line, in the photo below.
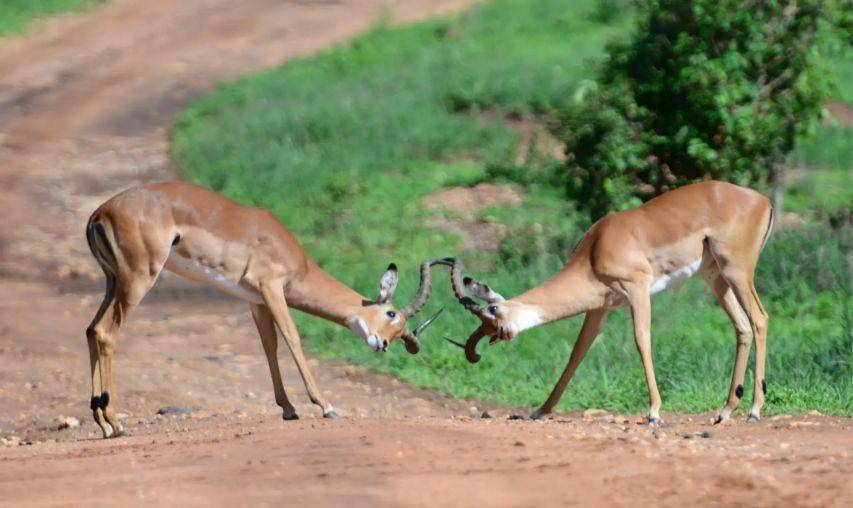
point(595, 413)
point(175, 410)
point(68, 422)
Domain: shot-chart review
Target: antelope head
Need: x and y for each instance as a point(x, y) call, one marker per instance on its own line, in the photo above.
point(379, 322)
point(500, 319)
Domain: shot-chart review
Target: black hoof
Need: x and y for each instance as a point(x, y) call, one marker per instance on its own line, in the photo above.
point(331, 415)
point(537, 414)
point(655, 422)
point(752, 419)
point(290, 416)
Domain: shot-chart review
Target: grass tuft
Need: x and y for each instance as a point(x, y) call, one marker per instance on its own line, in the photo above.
point(15, 15)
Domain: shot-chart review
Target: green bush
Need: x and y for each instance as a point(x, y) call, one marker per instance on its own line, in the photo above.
point(704, 89)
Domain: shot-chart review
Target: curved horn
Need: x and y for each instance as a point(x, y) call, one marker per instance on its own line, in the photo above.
point(470, 345)
point(413, 345)
point(411, 337)
point(460, 289)
point(423, 291)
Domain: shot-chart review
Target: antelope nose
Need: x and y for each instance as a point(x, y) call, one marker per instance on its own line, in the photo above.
point(384, 345)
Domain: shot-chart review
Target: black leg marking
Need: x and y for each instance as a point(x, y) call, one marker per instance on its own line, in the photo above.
point(739, 391)
point(105, 399)
point(95, 403)
point(764, 386)
point(176, 240)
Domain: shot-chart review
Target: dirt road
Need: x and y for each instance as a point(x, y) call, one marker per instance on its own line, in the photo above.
point(85, 106)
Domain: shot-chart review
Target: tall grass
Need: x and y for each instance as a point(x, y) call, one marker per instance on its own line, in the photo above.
point(342, 146)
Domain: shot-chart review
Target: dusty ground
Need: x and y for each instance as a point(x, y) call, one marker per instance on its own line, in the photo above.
point(85, 105)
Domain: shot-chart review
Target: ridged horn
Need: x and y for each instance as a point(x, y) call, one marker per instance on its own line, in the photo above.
point(459, 287)
point(423, 291)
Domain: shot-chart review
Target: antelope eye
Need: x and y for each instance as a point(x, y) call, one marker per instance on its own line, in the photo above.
point(493, 310)
point(391, 314)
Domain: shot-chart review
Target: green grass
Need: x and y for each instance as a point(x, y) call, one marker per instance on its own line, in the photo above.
point(343, 145)
point(831, 148)
point(15, 15)
point(820, 192)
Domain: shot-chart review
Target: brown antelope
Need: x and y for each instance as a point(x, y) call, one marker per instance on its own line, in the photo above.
point(244, 252)
point(715, 228)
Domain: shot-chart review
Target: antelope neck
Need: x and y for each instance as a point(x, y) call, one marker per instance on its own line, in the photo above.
point(320, 294)
point(568, 293)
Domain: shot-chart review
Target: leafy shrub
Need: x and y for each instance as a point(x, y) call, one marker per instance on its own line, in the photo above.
point(704, 89)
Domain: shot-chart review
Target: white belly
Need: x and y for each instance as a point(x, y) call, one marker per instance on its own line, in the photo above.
point(674, 277)
point(195, 271)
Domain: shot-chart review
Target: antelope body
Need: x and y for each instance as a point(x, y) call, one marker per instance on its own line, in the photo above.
point(715, 228)
point(245, 252)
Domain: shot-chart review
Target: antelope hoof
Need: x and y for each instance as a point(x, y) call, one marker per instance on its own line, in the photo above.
point(290, 415)
point(752, 419)
point(119, 431)
point(654, 421)
point(722, 418)
point(538, 414)
point(331, 415)
point(108, 431)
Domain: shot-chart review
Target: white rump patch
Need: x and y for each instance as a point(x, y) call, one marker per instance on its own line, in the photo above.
point(193, 270)
point(674, 277)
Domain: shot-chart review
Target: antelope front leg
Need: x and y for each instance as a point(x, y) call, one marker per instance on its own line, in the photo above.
point(641, 312)
point(273, 294)
point(589, 331)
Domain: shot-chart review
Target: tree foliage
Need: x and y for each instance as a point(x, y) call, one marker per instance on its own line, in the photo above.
point(704, 89)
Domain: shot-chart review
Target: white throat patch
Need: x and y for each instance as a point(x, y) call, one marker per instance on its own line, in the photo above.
point(357, 325)
point(526, 318)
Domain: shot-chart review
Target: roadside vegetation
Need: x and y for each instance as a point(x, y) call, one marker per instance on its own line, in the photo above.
point(15, 15)
point(343, 147)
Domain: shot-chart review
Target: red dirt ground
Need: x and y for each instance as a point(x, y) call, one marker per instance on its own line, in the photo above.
point(85, 106)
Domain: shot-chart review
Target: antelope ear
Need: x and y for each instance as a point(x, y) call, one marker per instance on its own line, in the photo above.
point(482, 291)
point(388, 284)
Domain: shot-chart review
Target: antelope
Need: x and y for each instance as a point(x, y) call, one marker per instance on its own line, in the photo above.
point(244, 252)
point(715, 228)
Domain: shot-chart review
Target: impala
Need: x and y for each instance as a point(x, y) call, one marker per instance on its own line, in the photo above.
point(715, 228)
point(244, 252)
